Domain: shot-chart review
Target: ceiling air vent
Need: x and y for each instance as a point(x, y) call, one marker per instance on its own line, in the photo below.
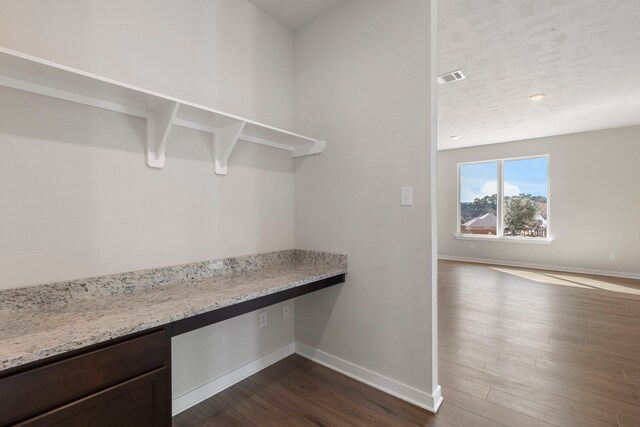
point(451, 76)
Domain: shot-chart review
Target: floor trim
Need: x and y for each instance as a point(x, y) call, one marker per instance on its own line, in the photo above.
point(205, 391)
point(622, 274)
point(430, 402)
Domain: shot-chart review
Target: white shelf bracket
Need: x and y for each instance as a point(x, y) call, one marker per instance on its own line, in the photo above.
point(224, 141)
point(307, 149)
point(158, 127)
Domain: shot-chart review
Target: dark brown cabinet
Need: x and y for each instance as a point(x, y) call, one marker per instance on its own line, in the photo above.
point(124, 383)
point(118, 383)
point(134, 403)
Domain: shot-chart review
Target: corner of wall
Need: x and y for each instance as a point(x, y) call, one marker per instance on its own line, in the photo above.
point(420, 398)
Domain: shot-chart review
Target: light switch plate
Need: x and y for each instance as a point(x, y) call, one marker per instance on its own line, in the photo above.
point(406, 196)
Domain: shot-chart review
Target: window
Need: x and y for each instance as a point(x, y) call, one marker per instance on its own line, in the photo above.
point(505, 199)
point(479, 198)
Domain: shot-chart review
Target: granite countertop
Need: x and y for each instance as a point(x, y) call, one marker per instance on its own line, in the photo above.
point(42, 321)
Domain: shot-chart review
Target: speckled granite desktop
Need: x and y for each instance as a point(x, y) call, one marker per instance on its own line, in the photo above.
point(42, 321)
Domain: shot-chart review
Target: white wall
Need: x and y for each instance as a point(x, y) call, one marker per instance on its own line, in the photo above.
point(225, 54)
point(593, 200)
point(362, 81)
point(77, 198)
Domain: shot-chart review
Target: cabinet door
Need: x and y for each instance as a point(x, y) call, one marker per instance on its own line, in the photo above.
point(139, 402)
point(53, 385)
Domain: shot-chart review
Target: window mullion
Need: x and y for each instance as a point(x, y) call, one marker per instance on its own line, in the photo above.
point(500, 201)
point(459, 210)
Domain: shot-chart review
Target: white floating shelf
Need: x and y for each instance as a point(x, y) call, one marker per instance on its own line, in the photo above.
point(35, 75)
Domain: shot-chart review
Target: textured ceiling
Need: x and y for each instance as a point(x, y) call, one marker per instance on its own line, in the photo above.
point(295, 14)
point(583, 54)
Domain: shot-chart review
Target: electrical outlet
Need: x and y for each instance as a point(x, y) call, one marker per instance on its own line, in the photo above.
point(285, 311)
point(612, 256)
point(263, 319)
point(472, 245)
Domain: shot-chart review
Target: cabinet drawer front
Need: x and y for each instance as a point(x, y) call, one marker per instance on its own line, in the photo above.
point(43, 388)
point(139, 402)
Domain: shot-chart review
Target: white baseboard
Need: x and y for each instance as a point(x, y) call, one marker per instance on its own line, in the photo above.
point(622, 274)
point(205, 391)
point(430, 402)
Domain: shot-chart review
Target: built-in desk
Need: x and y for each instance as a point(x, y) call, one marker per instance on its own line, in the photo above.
point(98, 350)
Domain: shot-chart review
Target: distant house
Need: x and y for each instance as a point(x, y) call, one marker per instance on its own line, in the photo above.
point(541, 221)
point(483, 224)
point(539, 229)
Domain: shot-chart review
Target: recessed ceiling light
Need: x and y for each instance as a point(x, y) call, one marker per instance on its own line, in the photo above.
point(455, 137)
point(537, 97)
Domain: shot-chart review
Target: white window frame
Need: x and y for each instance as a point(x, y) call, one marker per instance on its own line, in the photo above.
point(499, 237)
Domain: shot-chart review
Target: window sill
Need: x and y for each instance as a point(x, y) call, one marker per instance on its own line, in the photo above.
point(505, 239)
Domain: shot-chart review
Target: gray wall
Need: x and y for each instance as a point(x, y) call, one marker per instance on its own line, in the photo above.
point(594, 202)
point(77, 198)
point(362, 80)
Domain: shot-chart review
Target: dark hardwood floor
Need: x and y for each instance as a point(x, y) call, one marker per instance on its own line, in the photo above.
point(518, 347)
point(299, 392)
point(528, 347)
